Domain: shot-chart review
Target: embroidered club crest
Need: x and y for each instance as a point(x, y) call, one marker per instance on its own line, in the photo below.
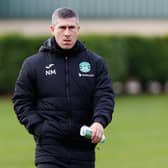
point(85, 67)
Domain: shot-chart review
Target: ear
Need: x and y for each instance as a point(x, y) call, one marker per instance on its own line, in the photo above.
point(78, 29)
point(52, 29)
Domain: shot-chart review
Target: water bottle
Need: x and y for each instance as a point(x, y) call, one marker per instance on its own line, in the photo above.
point(86, 132)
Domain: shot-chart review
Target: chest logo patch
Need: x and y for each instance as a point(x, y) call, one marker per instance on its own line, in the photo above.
point(85, 67)
point(49, 71)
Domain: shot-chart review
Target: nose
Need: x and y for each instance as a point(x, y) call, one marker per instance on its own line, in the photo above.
point(67, 32)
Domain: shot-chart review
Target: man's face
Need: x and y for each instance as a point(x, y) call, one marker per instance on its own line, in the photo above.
point(66, 32)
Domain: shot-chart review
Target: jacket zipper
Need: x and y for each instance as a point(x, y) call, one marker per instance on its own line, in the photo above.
point(68, 88)
point(67, 79)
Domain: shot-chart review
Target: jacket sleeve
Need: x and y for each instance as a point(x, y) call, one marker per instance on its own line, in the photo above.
point(24, 98)
point(103, 96)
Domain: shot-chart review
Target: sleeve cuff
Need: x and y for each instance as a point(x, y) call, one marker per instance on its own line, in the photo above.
point(101, 121)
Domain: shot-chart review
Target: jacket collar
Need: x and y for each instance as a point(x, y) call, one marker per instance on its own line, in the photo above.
point(51, 45)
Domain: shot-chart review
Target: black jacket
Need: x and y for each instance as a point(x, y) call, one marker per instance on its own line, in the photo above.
point(58, 91)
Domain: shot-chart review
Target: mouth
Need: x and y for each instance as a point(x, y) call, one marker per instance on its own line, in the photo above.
point(67, 42)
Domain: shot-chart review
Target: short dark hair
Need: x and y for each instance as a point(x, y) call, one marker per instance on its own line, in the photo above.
point(64, 13)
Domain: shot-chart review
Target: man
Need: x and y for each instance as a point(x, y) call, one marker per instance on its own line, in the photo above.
point(61, 88)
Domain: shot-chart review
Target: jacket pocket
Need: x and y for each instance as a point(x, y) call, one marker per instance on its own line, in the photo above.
point(39, 132)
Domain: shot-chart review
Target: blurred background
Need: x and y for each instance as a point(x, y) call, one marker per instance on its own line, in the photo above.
point(132, 36)
point(110, 16)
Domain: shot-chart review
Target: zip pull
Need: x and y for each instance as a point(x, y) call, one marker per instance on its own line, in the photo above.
point(66, 58)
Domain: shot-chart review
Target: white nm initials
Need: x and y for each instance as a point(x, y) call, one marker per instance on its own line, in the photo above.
point(50, 72)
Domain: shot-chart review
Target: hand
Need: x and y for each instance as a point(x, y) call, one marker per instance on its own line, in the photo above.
point(97, 132)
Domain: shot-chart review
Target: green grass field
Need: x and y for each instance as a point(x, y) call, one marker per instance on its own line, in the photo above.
point(137, 137)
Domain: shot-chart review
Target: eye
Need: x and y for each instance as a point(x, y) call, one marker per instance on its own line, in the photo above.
point(62, 27)
point(71, 27)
